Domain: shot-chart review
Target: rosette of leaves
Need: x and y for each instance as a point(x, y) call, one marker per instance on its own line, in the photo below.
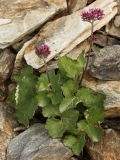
point(72, 111)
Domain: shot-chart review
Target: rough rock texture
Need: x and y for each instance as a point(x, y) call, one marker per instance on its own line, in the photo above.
point(113, 28)
point(75, 5)
point(18, 45)
point(35, 144)
point(108, 147)
point(6, 64)
point(111, 90)
point(73, 54)
point(3, 92)
point(104, 40)
point(113, 123)
point(18, 18)
point(118, 1)
point(105, 65)
point(7, 124)
point(67, 32)
point(90, 1)
point(117, 21)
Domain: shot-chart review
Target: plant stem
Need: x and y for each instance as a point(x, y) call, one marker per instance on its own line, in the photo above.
point(91, 44)
point(47, 71)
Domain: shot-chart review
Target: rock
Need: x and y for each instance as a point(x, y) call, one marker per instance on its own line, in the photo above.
point(75, 52)
point(7, 124)
point(73, 158)
point(18, 45)
point(113, 28)
point(76, 5)
point(105, 65)
point(19, 62)
point(111, 90)
point(117, 21)
point(3, 92)
point(113, 123)
point(11, 87)
point(64, 37)
point(104, 40)
point(7, 59)
point(35, 144)
point(72, 54)
point(19, 18)
point(90, 1)
point(118, 1)
point(107, 148)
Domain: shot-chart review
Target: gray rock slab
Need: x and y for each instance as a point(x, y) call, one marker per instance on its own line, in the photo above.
point(105, 65)
point(65, 33)
point(20, 17)
point(35, 144)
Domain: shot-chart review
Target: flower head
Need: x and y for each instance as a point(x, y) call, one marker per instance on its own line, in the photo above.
point(43, 50)
point(94, 38)
point(93, 14)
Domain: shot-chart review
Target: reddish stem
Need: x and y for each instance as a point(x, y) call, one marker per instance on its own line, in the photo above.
point(91, 44)
point(47, 71)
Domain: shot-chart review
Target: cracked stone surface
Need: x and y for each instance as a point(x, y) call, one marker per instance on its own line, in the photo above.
point(105, 65)
point(36, 144)
point(20, 17)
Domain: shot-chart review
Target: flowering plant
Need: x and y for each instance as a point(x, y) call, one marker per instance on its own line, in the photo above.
point(93, 14)
point(72, 111)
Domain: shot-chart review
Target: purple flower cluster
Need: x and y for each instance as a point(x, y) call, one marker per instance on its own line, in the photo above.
point(93, 14)
point(94, 38)
point(43, 50)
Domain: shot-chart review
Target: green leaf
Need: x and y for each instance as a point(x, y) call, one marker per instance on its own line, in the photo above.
point(77, 147)
point(43, 83)
point(95, 48)
point(69, 67)
point(75, 143)
point(94, 116)
point(69, 141)
point(50, 111)
point(69, 118)
point(82, 125)
point(56, 97)
point(27, 106)
point(56, 94)
point(90, 99)
point(54, 80)
point(94, 132)
point(62, 79)
point(21, 118)
point(11, 98)
point(69, 88)
point(74, 132)
point(42, 98)
point(82, 60)
point(67, 103)
point(55, 127)
point(25, 96)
